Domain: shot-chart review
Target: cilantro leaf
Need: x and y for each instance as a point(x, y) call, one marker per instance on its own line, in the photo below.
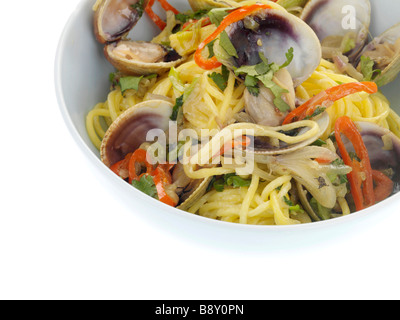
point(217, 15)
point(226, 44)
point(236, 181)
point(367, 69)
point(128, 83)
point(289, 58)
point(146, 185)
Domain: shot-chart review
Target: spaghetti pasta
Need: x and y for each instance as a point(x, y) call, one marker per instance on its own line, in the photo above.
point(223, 164)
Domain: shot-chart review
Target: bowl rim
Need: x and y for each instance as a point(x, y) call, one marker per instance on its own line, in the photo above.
point(139, 196)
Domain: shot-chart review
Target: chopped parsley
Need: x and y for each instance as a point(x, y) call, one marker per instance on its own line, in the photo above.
point(227, 45)
point(217, 15)
point(367, 69)
point(230, 180)
point(221, 80)
point(146, 185)
point(129, 82)
point(264, 73)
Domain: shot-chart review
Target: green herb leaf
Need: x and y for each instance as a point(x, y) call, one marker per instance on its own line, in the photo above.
point(367, 69)
point(217, 15)
point(235, 181)
point(210, 47)
point(289, 58)
point(226, 44)
point(128, 83)
point(317, 112)
point(319, 143)
point(178, 105)
point(264, 72)
point(146, 185)
point(219, 185)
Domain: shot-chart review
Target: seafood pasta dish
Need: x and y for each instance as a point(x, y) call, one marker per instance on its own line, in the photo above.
point(251, 112)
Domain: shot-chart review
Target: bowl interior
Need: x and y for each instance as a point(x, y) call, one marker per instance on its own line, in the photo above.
point(82, 71)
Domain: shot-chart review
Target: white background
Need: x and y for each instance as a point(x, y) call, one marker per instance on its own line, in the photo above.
point(63, 236)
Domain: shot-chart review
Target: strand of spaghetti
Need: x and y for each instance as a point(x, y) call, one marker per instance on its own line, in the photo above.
point(274, 185)
point(249, 196)
point(281, 215)
point(236, 130)
point(262, 210)
point(113, 103)
point(344, 206)
point(96, 121)
point(90, 125)
point(228, 94)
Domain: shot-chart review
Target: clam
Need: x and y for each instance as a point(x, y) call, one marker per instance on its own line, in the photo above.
point(383, 149)
point(129, 131)
point(115, 18)
point(262, 109)
point(193, 192)
point(269, 147)
point(339, 24)
point(141, 58)
point(272, 33)
point(384, 50)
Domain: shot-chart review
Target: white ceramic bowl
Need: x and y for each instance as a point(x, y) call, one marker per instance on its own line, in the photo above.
point(81, 78)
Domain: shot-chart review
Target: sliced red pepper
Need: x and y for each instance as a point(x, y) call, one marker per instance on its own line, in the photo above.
point(153, 16)
point(383, 186)
point(167, 7)
point(328, 97)
point(139, 156)
point(121, 168)
point(204, 22)
point(361, 178)
point(162, 178)
point(161, 174)
point(235, 16)
point(244, 142)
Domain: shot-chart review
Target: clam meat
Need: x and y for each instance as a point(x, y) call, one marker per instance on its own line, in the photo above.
point(115, 18)
point(141, 58)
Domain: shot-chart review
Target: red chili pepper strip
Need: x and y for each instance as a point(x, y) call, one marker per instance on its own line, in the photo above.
point(139, 156)
point(121, 168)
point(361, 179)
point(235, 16)
point(161, 180)
point(156, 19)
point(328, 97)
point(167, 7)
point(383, 185)
point(245, 141)
point(204, 22)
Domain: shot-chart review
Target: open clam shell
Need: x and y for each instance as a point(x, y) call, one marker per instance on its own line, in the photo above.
point(384, 50)
point(265, 147)
point(130, 130)
point(141, 58)
point(340, 18)
point(272, 32)
point(115, 18)
point(198, 189)
point(383, 148)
